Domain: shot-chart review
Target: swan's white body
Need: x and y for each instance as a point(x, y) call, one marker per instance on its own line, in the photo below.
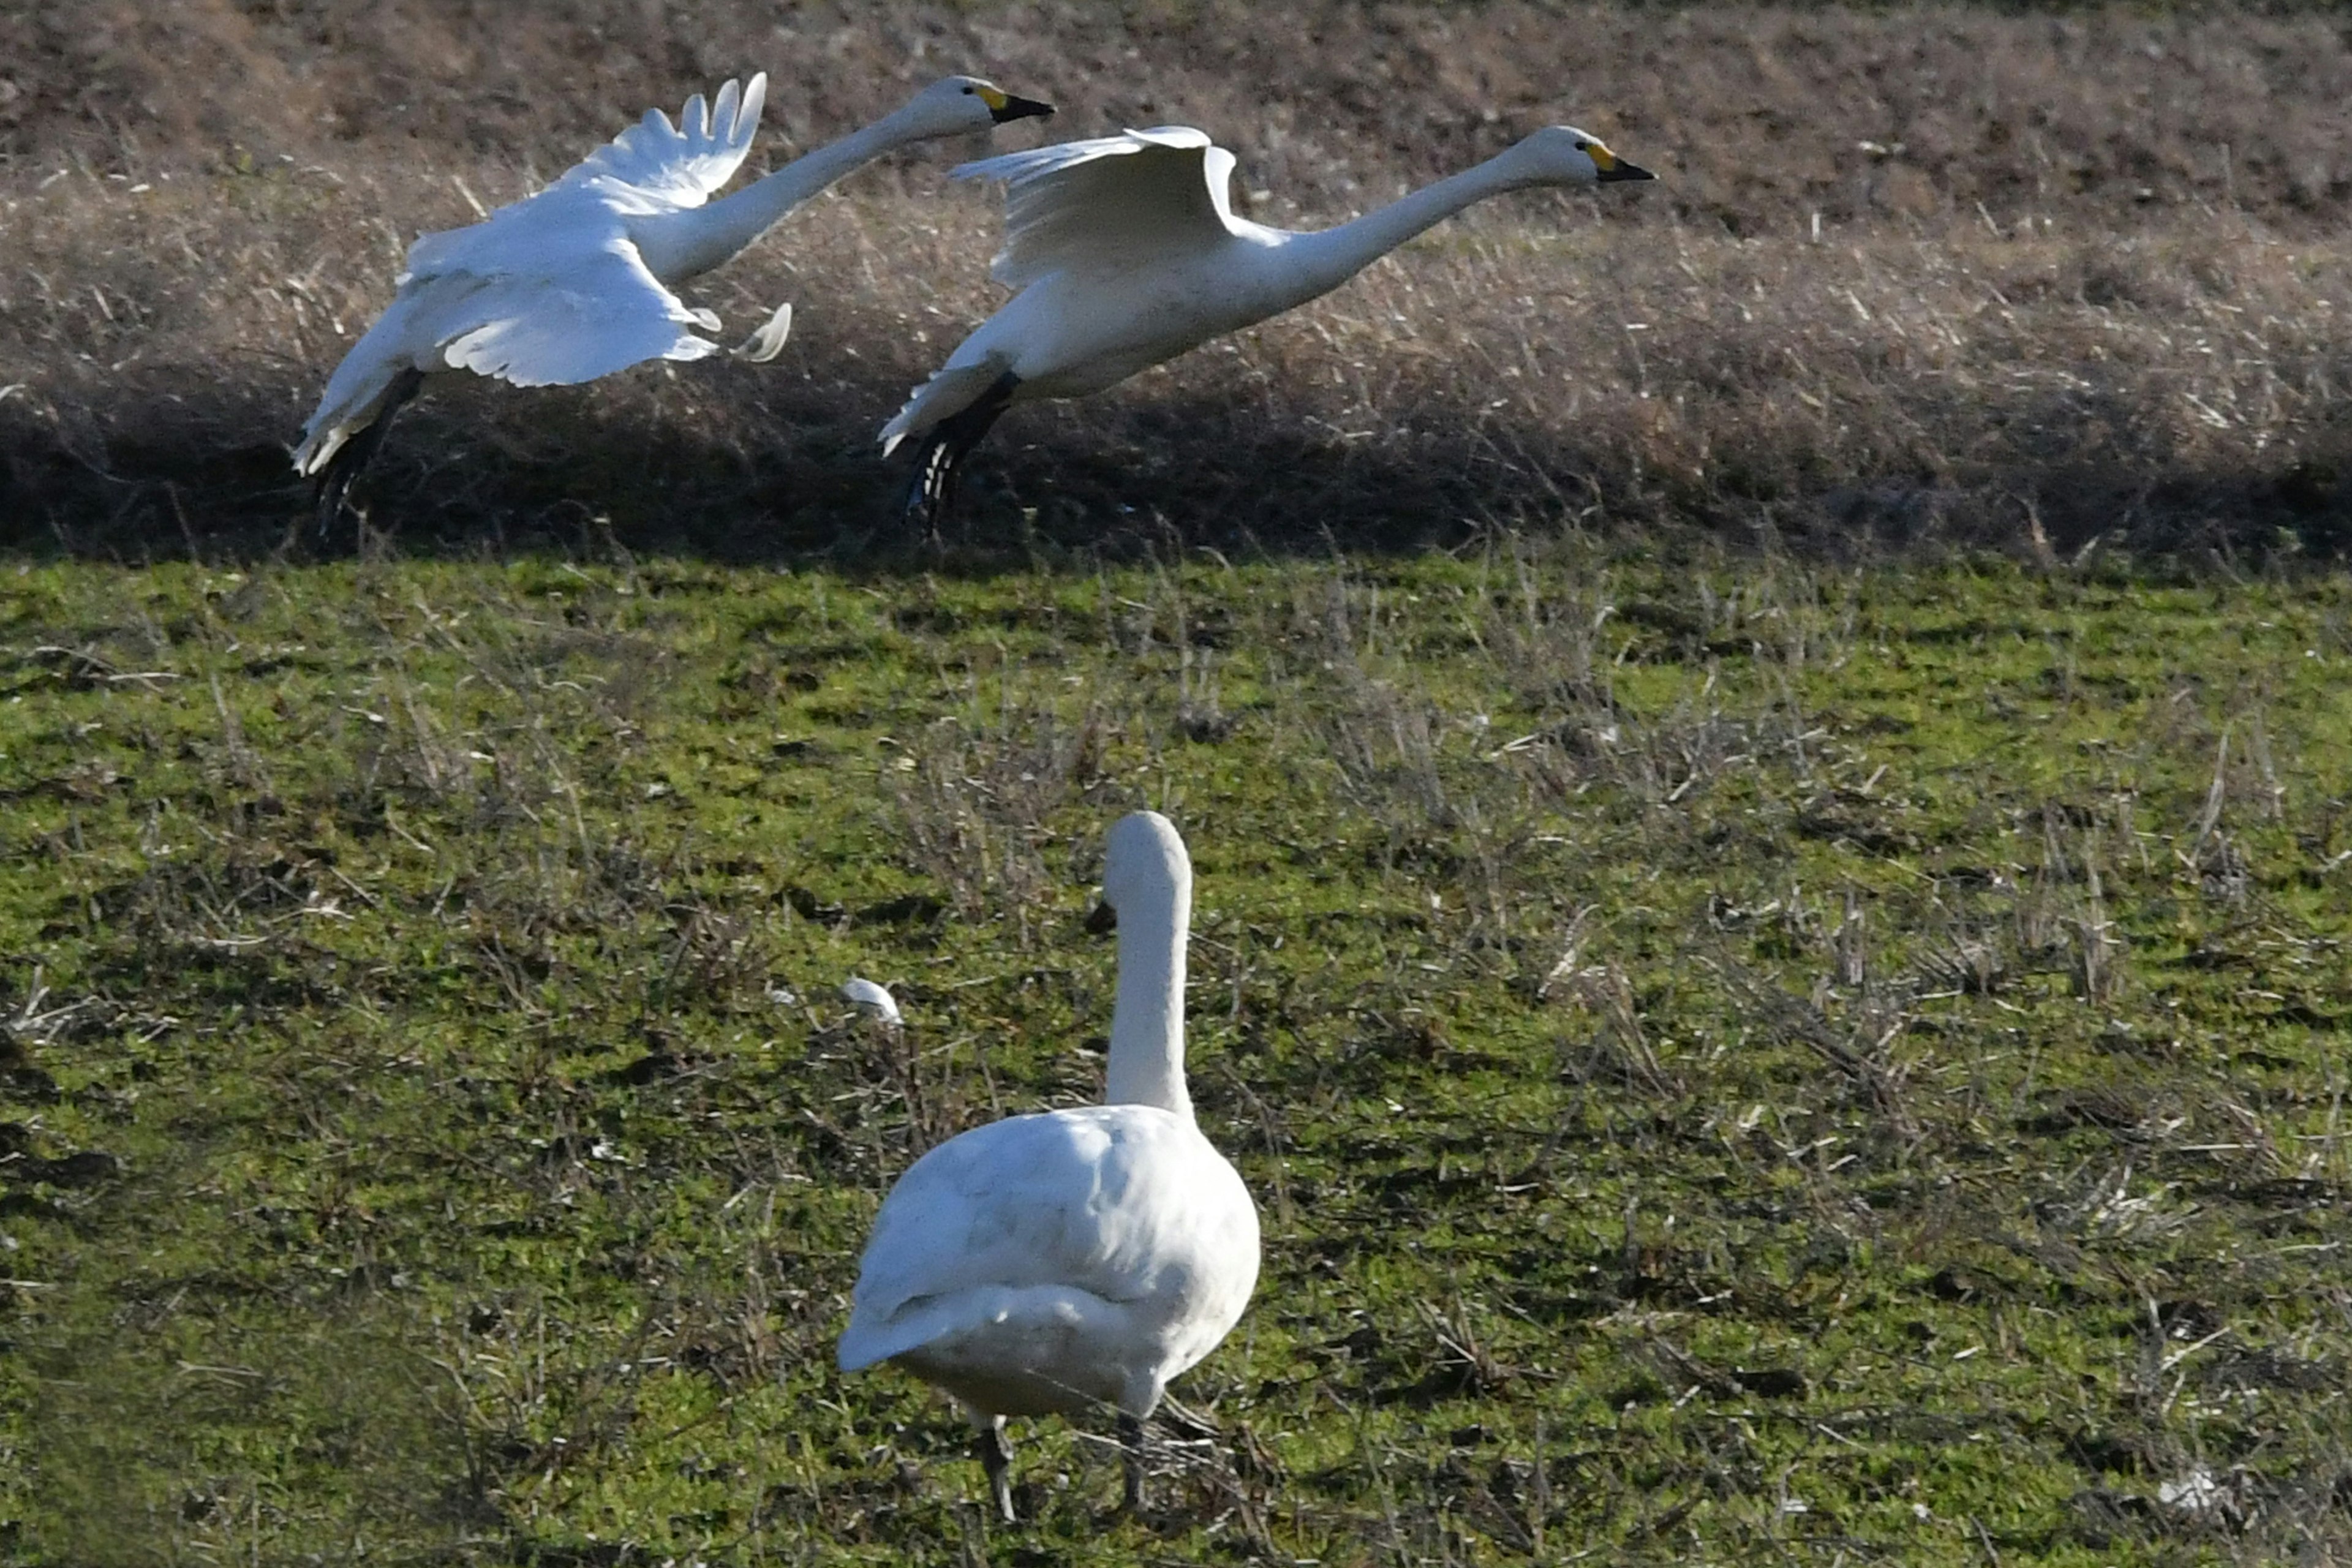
point(1127, 252)
point(1057, 1262)
point(1082, 1257)
point(574, 282)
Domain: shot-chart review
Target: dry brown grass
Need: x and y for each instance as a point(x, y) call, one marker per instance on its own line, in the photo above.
point(1935, 273)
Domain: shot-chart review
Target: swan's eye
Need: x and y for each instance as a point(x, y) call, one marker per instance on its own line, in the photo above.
point(969, 90)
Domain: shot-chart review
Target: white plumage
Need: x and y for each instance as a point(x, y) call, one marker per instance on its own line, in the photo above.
point(574, 282)
point(1127, 252)
point(873, 998)
point(1075, 1258)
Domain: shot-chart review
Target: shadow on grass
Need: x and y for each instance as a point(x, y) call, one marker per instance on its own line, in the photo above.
point(172, 474)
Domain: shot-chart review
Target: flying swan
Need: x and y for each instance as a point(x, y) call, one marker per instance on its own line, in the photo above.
point(1082, 1257)
point(574, 282)
point(1127, 253)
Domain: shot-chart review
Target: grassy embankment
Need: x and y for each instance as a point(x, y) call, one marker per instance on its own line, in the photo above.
point(1738, 1060)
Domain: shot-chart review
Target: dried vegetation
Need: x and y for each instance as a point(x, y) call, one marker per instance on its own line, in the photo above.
point(1927, 274)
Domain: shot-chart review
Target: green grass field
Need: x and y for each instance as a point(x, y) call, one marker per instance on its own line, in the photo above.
point(1739, 1061)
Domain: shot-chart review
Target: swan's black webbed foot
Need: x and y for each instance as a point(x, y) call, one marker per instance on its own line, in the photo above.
point(1130, 1442)
point(996, 1458)
point(335, 479)
point(939, 461)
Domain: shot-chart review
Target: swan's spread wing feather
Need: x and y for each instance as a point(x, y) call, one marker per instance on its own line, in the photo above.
point(1036, 160)
point(1109, 203)
point(547, 291)
point(1089, 1202)
point(600, 313)
point(683, 164)
point(652, 167)
point(603, 313)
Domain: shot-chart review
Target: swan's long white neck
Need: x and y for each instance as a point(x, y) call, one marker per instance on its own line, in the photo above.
point(1328, 257)
point(681, 245)
point(1146, 1023)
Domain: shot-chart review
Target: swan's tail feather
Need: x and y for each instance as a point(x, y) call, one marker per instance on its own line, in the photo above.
point(342, 462)
point(946, 392)
point(939, 460)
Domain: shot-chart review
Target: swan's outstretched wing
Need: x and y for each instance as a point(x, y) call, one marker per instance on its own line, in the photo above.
point(550, 290)
point(602, 313)
point(681, 165)
point(599, 313)
point(1108, 203)
point(652, 167)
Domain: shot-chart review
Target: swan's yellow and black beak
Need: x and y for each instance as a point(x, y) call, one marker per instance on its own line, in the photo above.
point(1003, 106)
point(1613, 167)
point(1101, 920)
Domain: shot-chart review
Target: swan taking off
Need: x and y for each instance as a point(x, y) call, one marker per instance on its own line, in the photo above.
point(1082, 1257)
point(1127, 252)
point(574, 282)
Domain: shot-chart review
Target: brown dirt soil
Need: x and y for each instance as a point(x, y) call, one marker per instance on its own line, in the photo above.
point(1922, 273)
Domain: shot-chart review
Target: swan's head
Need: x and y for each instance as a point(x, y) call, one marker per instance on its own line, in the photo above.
point(1145, 866)
point(1563, 155)
point(960, 103)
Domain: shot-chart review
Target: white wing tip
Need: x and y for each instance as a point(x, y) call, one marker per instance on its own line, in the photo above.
point(689, 347)
point(902, 423)
point(747, 113)
point(768, 341)
point(1171, 136)
point(317, 447)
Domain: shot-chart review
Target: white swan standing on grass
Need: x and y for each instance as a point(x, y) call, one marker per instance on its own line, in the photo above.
point(1081, 1257)
point(574, 282)
point(1127, 252)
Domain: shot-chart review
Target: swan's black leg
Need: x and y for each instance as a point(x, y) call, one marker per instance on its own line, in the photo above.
point(335, 479)
point(996, 1458)
point(936, 461)
point(1130, 1442)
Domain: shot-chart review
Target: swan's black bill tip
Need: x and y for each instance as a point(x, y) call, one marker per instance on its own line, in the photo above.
point(1020, 109)
point(1621, 170)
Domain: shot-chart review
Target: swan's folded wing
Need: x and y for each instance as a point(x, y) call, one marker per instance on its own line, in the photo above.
point(603, 313)
point(1105, 204)
point(1065, 1201)
point(681, 165)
